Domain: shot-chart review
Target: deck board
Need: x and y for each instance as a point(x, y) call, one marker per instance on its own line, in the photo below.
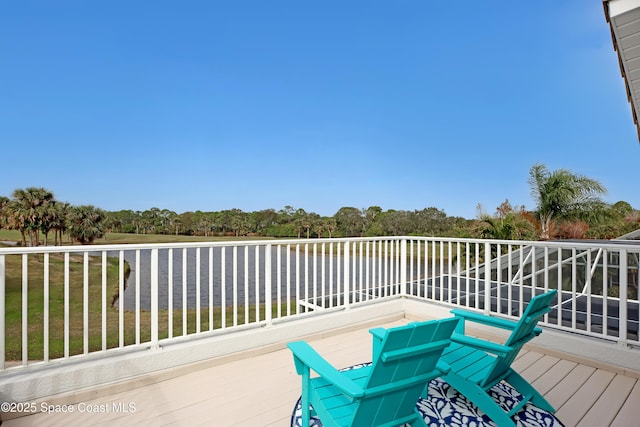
point(629, 414)
point(547, 381)
point(536, 370)
point(262, 390)
point(605, 409)
point(569, 385)
point(585, 397)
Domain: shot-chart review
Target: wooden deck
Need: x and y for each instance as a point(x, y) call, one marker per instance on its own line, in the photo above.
point(261, 390)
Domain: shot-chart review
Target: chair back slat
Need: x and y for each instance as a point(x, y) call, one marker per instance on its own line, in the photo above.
point(522, 333)
point(406, 361)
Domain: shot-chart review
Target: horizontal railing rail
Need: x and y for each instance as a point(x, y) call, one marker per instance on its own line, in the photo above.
point(74, 301)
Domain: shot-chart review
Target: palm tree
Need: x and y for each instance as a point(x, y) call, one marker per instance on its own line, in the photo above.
point(15, 217)
point(59, 221)
point(30, 211)
point(511, 226)
point(4, 202)
point(85, 223)
point(561, 194)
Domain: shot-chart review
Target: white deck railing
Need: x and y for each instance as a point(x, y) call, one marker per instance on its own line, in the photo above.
point(69, 302)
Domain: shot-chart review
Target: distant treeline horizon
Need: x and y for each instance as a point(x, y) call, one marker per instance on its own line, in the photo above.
point(35, 212)
point(287, 222)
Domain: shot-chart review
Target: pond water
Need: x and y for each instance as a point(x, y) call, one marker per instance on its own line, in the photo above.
point(221, 262)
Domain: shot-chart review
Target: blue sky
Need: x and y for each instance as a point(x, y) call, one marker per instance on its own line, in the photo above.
point(212, 105)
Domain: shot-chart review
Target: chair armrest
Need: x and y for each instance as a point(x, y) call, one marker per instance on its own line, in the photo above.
point(488, 346)
point(443, 366)
point(305, 357)
point(484, 319)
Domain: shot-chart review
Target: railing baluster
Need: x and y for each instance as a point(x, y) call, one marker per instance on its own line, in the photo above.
point(223, 288)
point(85, 303)
point(66, 305)
point(323, 268)
point(298, 278)
point(288, 279)
point(338, 275)
point(381, 276)
point(361, 270)
point(185, 330)
point(198, 292)
point(476, 279)
point(154, 298)
point(257, 273)
point(403, 266)
point(170, 292)
point(458, 278)
point(211, 326)
point(434, 273)
point(103, 300)
point(588, 286)
point(574, 286)
point(331, 283)
point(467, 282)
point(624, 315)
point(346, 279)
point(45, 332)
point(121, 299)
point(137, 313)
point(442, 273)
point(546, 276)
point(246, 285)
point(605, 293)
point(235, 285)
point(278, 281)
point(487, 277)
point(520, 275)
point(392, 261)
point(25, 310)
point(306, 273)
point(367, 270)
point(268, 299)
point(386, 268)
point(315, 274)
point(449, 268)
point(560, 288)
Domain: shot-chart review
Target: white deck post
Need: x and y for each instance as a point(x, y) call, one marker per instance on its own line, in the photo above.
point(345, 275)
point(487, 277)
point(623, 273)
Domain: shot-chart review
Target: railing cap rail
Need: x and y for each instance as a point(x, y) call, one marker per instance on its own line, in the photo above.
point(604, 244)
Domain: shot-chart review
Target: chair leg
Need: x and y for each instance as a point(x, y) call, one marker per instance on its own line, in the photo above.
point(306, 385)
point(481, 399)
point(524, 388)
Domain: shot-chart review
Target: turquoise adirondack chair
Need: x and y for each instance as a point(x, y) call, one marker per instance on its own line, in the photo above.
point(475, 365)
point(382, 394)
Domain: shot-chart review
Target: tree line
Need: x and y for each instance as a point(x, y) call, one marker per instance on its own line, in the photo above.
point(568, 206)
point(286, 222)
